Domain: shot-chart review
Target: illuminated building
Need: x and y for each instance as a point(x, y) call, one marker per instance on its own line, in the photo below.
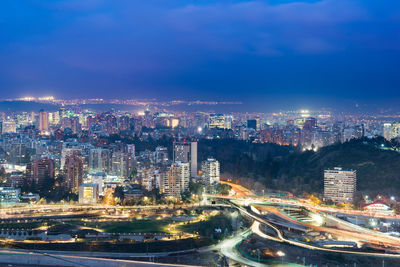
point(66, 152)
point(44, 122)
point(396, 129)
point(210, 171)
point(8, 127)
point(9, 195)
point(339, 185)
point(88, 194)
point(216, 121)
point(176, 179)
point(130, 148)
point(387, 131)
point(121, 164)
point(161, 155)
point(39, 171)
point(98, 179)
point(186, 152)
point(73, 172)
point(99, 160)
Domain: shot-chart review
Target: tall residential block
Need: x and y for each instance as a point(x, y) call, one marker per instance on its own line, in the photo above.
point(340, 185)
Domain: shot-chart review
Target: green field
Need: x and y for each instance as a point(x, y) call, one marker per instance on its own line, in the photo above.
point(206, 228)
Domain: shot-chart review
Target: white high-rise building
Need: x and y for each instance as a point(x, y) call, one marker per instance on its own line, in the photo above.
point(176, 179)
point(387, 131)
point(340, 185)
point(193, 159)
point(210, 171)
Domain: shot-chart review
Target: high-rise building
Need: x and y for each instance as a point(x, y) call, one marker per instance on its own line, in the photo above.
point(68, 151)
point(340, 185)
point(310, 124)
point(216, 121)
point(176, 179)
point(387, 131)
point(99, 160)
point(193, 159)
point(121, 164)
point(73, 172)
point(396, 129)
point(210, 171)
point(186, 152)
point(161, 155)
point(44, 122)
point(130, 149)
point(39, 170)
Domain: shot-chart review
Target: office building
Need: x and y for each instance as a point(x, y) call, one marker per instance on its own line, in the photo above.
point(88, 194)
point(122, 164)
point(99, 160)
point(216, 121)
point(339, 185)
point(186, 152)
point(98, 179)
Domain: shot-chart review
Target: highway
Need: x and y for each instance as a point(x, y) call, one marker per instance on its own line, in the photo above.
point(352, 231)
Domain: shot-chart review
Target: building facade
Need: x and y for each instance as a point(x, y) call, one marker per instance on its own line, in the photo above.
point(340, 185)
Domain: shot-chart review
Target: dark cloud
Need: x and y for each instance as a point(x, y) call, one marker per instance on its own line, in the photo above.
point(229, 49)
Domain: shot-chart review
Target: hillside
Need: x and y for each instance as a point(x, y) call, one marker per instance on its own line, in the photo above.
point(287, 168)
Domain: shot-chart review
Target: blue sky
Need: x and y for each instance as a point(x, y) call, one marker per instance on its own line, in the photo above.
point(257, 51)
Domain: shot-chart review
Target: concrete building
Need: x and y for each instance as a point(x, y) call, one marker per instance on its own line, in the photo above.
point(99, 160)
point(68, 151)
point(8, 127)
point(122, 164)
point(39, 170)
point(186, 152)
point(44, 122)
point(210, 171)
point(73, 172)
point(176, 179)
point(88, 194)
point(98, 178)
point(216, 121)
point(340, 185)
point(387, 131)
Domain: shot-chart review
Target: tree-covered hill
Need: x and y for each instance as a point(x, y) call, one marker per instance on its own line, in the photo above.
point(288, 168)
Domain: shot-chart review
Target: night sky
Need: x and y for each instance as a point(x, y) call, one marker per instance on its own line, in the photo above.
point(262, 52)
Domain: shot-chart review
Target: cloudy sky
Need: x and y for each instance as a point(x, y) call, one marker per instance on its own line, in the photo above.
point(256, 51)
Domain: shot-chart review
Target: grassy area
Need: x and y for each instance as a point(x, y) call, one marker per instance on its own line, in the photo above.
point(207, 227)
